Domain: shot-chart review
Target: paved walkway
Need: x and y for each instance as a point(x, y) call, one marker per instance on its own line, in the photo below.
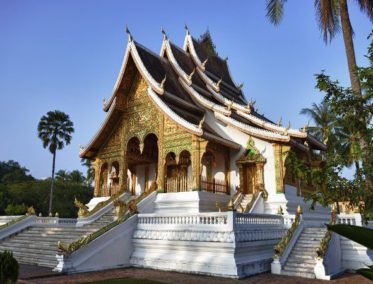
point(173, 277)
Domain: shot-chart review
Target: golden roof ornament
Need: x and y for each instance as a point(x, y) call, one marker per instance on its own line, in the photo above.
point(230, 205)
point(219, 82)
point(305, 127)
point(165, 37)
point(129, 34)
point(279, 122)
point(299, 210)
point(204, 63)
point(200, 125)
point(191, 74)
point(186, 29)
point(287, 129)
point(163, 81)
point(230, 104)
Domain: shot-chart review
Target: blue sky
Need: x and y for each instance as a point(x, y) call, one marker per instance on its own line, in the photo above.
point(66, 55)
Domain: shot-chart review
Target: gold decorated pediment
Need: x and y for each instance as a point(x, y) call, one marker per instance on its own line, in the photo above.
point(251, 154)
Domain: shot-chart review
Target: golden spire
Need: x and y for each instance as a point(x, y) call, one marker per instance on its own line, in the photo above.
point(204, 63)
point(191, 74)
point(163, 81)
point(129, 34)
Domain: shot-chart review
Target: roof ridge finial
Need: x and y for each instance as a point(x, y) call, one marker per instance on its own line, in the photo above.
point(202, 121)
point(190, 76)
point(163, 81)
point(130, 38)
point(186, 29)
point(219, 82)
point(289, 125)
point(279, 121)
point(240, 86)
point(305, 127)
point(204, 62)
point(165, 37)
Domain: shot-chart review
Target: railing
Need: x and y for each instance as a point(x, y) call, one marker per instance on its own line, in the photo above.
point(324, 243)
point(281, 246)
point(178, 184)
point(258, 219)
point(349, 219)
point(200, 219)
point(67, 249)
point(215, 185)
point(13, 221)
point(225, 221)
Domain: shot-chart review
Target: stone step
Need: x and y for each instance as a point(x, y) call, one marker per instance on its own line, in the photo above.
point(304, 250)
point(50, 238)
point(60, 235)
point(301, 256)
point(38, 262)
point(305, 246)
point(302, 274)
point(29, 245)
point(40, 250)
point(292, 263)
point(296, 259)
point(308, 269)
point(303, 241)
point(35, 256)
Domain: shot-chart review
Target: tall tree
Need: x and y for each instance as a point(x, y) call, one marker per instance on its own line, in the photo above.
point(325, 122)
point(55, 129)
point(331, 15)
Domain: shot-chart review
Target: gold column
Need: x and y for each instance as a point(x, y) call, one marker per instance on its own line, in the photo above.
point(280, 152)
point(260, 176)
point(123, 174)
point(161, 156)
point(277, 150)
point(196, 162)
point(97, 167)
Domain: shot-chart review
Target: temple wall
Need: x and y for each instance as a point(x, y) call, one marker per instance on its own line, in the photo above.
point(265, 148)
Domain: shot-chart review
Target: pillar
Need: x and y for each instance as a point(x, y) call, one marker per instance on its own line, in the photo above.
point(196, 162)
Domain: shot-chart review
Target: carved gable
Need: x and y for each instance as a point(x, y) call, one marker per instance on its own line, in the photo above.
point(251, 154)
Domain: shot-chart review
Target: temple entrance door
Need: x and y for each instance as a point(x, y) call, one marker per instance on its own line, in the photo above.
point(248, 178)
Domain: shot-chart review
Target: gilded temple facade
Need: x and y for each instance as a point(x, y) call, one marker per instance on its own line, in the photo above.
point(177, 122)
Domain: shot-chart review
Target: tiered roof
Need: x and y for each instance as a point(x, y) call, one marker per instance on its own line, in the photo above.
point(183, 83)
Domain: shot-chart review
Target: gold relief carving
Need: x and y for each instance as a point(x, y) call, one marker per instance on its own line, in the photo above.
point(280, 153)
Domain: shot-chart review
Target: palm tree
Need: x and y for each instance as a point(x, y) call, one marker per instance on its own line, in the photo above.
point(349, 146)
point(325, 122)
point(55, 129)
point(331, 15)
point(76, 177)
point(62, 175)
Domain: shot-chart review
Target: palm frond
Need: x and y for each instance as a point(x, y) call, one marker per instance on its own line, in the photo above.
point(327, 16)
point(275, 10)
point(366, 6)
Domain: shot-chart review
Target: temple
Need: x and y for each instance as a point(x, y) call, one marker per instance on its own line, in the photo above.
point(189, 177)
point(177, 122)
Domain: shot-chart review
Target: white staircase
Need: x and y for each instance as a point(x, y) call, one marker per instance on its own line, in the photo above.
point(37, 245)
point(302, 259)
point(246, 199)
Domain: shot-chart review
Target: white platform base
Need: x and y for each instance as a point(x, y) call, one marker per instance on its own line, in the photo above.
point(190, 202)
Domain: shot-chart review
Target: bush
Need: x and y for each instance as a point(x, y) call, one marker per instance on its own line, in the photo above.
point(9, 268)
point(16, 209)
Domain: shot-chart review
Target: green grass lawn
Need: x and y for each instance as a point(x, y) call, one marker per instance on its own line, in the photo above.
point(126, 281)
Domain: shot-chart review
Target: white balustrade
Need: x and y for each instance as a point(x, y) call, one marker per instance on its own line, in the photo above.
point(258, 219)
point(349, 219)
